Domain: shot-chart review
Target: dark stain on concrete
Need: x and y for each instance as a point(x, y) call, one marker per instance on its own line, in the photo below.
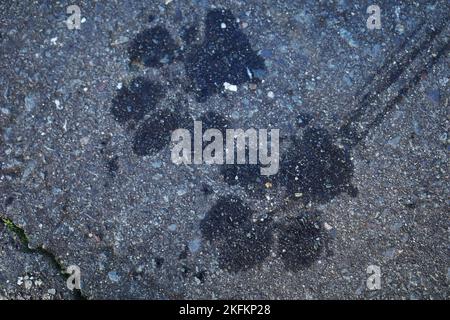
point(242, 244)
point(315, 169)
point(301, 241)
point(153, 48)
point(133, 102)
point(154, 134)
point(225, 55)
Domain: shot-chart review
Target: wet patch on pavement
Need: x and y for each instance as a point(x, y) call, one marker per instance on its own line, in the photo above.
point(224, 56)
point(301, 241)
point(242, 244)
point(153, 48)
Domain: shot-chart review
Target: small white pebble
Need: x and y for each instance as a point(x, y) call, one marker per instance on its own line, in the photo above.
point(327, 226)
point(230, 87)
point(83, 20)
point(28, 284)
point(57, 104)
point(53, 40)
point(119, 85)
point(270, 94)
point(223, 25)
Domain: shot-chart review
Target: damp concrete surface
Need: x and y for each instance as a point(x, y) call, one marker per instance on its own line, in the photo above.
point(86, 177)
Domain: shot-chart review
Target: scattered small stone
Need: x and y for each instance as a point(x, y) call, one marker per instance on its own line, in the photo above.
point(51, 291)
point(327, 226)
point(194, 245)
point(443, 81)
point(396, 226)
point(29, 169)
point(181, 192)
point(347, 36)
point(28, 284)
point(270, 94)
point(58, 104)
point(113, 276)
point(223, 25)
point(389, 253)
point(266, 53)
point(443, 137)
point(400, 28)
point(230, 87)
point(84, 141)
point(120, 40)
point(394, 142)
point(156, 164)
point(30, 102)
point(38, 283)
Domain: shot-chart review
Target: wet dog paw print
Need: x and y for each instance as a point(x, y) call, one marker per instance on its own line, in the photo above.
point(301, 240)
point(224, 55)
point(141, 97)
point(153, 48)
point(244, 243)
point(315, 170)
point(134, 101)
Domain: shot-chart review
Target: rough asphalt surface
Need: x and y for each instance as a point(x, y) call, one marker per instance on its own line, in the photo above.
point(86, 177)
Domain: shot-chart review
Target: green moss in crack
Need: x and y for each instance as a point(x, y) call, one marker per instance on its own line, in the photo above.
point(51, 258)
point(17, 231)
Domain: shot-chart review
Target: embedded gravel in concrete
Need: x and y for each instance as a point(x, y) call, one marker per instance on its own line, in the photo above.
point(85, 167)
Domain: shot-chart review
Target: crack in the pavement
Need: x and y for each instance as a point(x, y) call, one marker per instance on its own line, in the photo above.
point(40, 250)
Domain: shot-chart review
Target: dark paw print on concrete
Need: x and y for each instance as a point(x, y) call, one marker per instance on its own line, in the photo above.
point(154, 134)
point(225, 55)
point(153, 48)
point(242, 243)
point(141, 97)
point(313, 169)
point(316, 170)
point(301, 240)
point(134, 101)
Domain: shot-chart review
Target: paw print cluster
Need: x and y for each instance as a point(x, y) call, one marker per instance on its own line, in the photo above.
point(226, 56)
